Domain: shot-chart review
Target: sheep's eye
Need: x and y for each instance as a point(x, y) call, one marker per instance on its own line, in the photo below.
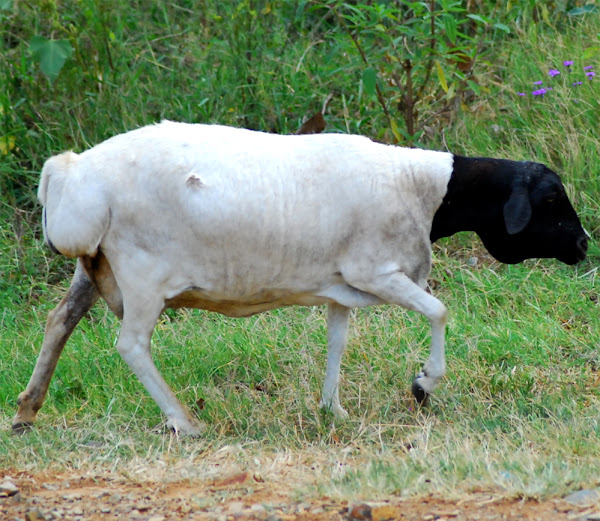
point(550, 200)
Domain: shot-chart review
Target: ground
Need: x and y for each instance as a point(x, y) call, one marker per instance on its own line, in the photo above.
point(243, 496)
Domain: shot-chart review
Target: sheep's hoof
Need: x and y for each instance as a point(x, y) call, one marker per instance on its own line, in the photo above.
point(420, 394)
point(21, 428)
point(190, 427)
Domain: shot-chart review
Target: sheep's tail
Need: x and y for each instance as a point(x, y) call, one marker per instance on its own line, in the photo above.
point(75, 215)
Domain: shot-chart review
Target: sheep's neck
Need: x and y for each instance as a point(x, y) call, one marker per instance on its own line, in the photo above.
point(474, 198)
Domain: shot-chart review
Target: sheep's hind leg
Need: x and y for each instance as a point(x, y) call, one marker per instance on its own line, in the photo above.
point(139, 319)
point(60, 324)
point(337, 337)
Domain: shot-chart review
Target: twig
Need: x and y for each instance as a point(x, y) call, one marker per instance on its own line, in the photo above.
point(380, 97)
point(432, 43)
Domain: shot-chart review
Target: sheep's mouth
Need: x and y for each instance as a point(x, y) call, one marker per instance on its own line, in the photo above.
point(575, 254)
point(580, 253)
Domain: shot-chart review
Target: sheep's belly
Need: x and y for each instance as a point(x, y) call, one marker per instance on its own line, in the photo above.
point(251, 305)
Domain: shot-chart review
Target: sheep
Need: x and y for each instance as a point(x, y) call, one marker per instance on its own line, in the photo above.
point(240, 222)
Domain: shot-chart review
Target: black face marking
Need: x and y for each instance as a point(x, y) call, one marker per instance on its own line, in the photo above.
point(520, 210)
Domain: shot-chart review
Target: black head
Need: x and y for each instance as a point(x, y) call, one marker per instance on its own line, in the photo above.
point(520, 210)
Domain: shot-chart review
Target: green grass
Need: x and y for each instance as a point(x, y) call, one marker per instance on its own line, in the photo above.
point(518, 410)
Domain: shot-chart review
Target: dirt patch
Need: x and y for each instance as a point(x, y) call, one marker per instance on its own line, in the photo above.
point(242, 496)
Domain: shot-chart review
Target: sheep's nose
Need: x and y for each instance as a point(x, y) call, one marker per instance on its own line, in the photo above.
point(582, 245)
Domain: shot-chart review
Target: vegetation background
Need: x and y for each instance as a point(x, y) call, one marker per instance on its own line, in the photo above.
point(519, 409)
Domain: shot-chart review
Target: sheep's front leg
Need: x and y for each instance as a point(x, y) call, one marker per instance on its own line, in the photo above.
point(60, 324)
point(337, 338)
point(397, 288)
point(139, 318)
point(435, 367)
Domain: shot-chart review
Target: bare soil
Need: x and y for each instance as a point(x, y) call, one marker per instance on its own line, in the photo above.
point(242, 496)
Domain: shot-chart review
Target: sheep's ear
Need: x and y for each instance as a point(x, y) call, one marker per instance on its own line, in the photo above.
point(517, 210)
point(313, 125)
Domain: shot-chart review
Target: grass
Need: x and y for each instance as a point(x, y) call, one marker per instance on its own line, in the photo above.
point(518, 410)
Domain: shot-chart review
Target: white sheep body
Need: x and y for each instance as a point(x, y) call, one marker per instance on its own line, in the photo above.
point(243, 216)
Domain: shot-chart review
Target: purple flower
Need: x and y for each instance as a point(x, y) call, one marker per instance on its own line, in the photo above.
point(568, 63)
point(521, 94)
point(538, 82)
point(539, 92)
point(553, 72)
point(577, 83)
point(590, 74)
point(588, 67)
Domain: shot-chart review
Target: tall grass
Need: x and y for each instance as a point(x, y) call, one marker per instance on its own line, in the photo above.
point(560, 128)
point(518, 410)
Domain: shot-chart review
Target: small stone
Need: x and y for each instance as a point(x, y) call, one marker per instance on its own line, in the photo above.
point(593, 517)
point(7, 489)
point(235, 507)
point(384, 513)
point(17, 498)
point(583, 497)
point(157, 518)
point(77, 511)
point(360, 512)
point(273, 517)
point(95, 445)
point(302, 508)
point(34, 515)
point(105, 510)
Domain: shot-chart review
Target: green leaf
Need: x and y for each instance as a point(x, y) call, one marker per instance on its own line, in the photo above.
point(478, 18)
point(474, 86)
point(51, 54)
point(7, 144)
point(396, 130)
point(502, 27)
point(451, 28)
point(587, 8)
point(369, 78)
point(6, 5)
point(442, 77)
